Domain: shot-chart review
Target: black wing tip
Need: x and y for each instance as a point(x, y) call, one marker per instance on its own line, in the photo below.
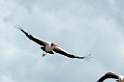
point(84, 57)
point(18, 26)
point(100, 80)
point(87, 57)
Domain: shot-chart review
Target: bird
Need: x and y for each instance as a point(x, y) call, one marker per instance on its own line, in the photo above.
point(50, 47)
point(119, 78)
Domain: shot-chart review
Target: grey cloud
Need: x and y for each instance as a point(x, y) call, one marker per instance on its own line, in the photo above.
point(84, 26)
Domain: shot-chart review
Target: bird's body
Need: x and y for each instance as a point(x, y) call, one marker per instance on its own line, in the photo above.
point(119, 78)
point(49, 47)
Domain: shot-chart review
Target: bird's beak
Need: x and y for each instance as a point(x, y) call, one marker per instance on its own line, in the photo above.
point(55, 45)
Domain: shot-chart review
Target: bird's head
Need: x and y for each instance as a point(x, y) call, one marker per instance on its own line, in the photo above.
point(120, 80)
point(53, 44)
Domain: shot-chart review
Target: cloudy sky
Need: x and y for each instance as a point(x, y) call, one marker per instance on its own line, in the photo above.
point(81, 27)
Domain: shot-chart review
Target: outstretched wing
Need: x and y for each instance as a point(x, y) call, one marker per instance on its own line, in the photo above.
point(65, 53)
point(108, 75)
point(39, 41)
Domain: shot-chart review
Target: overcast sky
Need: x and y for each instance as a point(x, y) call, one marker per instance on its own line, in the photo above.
point(81, 27)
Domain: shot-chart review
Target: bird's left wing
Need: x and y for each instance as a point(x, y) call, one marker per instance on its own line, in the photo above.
point(31, 37)
point(108, 75)
point(65, 53)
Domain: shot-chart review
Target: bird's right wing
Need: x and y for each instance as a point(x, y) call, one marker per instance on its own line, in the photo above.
point(39, 41)
point(65, 53)
point(108, 75)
